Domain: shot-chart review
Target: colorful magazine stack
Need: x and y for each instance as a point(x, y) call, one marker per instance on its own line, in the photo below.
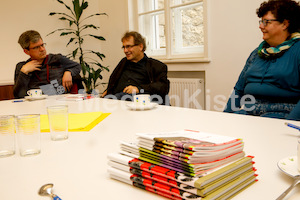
point(184, 165)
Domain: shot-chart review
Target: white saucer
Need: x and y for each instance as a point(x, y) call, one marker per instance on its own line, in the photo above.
point(136, 107)
point(289, 166)
point(35, 98)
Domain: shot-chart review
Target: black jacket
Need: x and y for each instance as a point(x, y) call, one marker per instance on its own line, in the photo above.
point(157, 73)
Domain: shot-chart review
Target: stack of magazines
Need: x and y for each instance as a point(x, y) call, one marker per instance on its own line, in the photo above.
point(184, 165)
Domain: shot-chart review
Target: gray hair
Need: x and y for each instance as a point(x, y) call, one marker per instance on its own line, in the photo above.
point(27, 37)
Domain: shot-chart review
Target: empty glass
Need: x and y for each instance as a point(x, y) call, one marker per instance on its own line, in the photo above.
point(7, 135)
point(28, 134)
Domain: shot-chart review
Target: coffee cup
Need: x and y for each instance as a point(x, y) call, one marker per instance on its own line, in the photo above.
point(34, 92)
point(141, 99)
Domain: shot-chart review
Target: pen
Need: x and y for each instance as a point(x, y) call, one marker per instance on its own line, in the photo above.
point(293, 126)
point(17, 101)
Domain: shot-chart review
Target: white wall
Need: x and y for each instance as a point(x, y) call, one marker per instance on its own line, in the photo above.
point(233, 34)
point(114, 27)
point(18, 16)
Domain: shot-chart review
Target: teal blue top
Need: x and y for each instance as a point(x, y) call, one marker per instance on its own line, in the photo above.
point(275, 80)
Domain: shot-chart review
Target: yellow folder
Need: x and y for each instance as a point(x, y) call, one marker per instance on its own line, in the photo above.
point(77, 121)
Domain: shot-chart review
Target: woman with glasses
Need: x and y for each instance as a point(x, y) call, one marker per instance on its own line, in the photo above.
point(269, 84)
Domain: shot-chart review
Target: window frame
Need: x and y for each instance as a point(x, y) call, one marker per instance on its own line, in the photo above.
point(170, 57)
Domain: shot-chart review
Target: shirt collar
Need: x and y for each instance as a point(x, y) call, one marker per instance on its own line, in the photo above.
point(143, 61)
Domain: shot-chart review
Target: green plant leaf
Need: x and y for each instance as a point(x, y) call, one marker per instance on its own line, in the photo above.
point(78, 9)
point(87, 67)
point(65, 5)
point(102, 67)
point(97, 37)
point(97, 14)
point(83, 69)
point(100, 55)
point(74, 53)
point(89, 26)
point(66, 33)
point(84, 5)
point(63, 14)
point(87, 64)
point(66, 19)
point(61, 29)
point(98, 64)
point(97, 74)
point(70, 41)
point(106, 68)
point(81, 59)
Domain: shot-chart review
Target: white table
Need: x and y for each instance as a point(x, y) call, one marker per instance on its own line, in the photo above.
point(78, 166)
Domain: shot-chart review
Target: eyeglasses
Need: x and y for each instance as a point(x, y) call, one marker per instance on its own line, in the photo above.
point(265, 22)
point(129, 46)
point(38, 47)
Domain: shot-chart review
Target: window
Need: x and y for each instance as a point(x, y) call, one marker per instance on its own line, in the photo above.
point(174, 29)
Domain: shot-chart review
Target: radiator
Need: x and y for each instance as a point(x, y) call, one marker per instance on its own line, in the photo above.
point(187, 92)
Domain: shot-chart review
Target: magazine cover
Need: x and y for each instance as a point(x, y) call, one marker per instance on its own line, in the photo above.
point(191, 140)
point(163, 187)
point(189, 180)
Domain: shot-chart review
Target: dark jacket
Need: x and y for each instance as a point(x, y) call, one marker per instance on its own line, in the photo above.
point(57, 63)
point(157, 74)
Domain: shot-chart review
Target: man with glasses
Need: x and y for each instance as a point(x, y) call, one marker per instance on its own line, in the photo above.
point(136, 73)
point(42, 69)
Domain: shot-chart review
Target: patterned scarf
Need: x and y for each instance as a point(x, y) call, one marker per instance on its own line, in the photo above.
point(267, 52)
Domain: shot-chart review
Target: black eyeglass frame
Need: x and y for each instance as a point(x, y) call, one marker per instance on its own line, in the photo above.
point(265, 22)
point(129, 46)
point(37, 47)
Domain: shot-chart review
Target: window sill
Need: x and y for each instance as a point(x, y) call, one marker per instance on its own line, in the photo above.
point(185, 60)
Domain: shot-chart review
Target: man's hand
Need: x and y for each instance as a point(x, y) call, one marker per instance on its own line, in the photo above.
point(67, 80)
point(31, 66)
point(131, 89)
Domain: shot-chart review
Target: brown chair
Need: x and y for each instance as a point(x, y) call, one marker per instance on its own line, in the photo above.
point(6, 92)
point(77, 84)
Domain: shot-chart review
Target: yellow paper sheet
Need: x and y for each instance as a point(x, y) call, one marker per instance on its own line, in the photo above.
point(77, 121)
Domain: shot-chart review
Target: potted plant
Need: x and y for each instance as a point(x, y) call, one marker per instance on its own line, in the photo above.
point(78, 33)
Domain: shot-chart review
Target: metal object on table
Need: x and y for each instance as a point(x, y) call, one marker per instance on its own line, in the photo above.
point(296, 181)
point(46, 190)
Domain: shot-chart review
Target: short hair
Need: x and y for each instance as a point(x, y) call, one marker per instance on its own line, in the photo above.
point(282, 10)
point(137, 37)
point(27, 37)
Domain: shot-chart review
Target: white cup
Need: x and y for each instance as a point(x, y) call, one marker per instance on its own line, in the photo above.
point(28, 134)
point(7, 135)
point(35, 92)
point(58, 122)
point(141, 100)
